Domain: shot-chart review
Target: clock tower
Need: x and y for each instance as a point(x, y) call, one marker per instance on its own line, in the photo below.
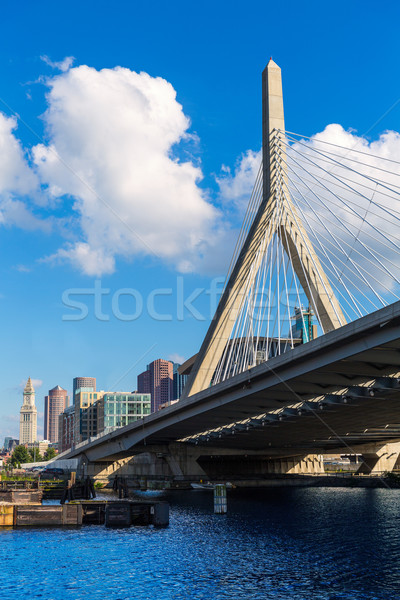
point(28, 416)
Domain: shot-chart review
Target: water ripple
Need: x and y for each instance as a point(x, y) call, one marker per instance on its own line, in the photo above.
point(297, 544)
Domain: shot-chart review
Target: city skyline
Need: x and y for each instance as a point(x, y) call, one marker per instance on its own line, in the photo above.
point(58, 395)
point(215, 142)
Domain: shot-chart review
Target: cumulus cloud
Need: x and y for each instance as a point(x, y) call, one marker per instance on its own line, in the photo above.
point(115, 158)
point(18, 183)
point(236, 186)
point(16, 176)
point(112, 138)
point(16, 212)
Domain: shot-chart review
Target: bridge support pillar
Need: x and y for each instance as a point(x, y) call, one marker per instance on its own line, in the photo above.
point(103, 470)
point(182, 461)
point(311, 464)
point(379, 459)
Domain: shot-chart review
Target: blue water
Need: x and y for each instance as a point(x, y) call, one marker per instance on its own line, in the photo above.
point(308, 544)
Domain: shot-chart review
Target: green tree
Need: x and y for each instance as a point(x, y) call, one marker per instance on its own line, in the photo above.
point(35, 455)
point(49, 454)
point(20, 455)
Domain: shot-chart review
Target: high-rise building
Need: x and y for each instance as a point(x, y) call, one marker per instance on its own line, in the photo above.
point(28, 416)
point(85, 413)
point(83, 382)
point(158, 381)
point(144, 382)
point(54, 404)
point(9, 444)
point(179, 383)
point(303, 326)
point(66, 429)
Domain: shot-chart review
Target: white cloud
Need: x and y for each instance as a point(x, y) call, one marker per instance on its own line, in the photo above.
point(17, 180)
point(37, 383)
point(23, 268)
point(93, 261)
point(62, 65)
point(112, 137)
point(237, 186)
point(113, 142)
point(176, 358)
point(16, 213)
point(16, 176)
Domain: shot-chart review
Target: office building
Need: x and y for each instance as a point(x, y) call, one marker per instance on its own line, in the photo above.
point(66, 429)
point(179, 382)
point(87, 383)
point(28, 416)
point(144, 382)
point(54, 404)
point(303, 326)
point(9, 444)
point(96, 412)
point(117, 409)
point(158, 381)
point(85, 413)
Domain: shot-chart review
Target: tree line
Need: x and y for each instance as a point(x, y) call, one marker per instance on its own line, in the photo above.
point(22, 455)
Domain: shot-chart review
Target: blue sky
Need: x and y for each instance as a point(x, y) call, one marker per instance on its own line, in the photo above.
point(340, 65)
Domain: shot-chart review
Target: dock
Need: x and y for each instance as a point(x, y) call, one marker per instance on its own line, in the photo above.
point(111, 513)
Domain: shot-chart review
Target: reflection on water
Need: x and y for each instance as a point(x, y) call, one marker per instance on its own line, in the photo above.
point(297, 544)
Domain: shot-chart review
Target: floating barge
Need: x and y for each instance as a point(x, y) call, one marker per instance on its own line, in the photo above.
point(111, 513)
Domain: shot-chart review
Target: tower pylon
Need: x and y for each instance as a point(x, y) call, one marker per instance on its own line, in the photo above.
point(291, 232)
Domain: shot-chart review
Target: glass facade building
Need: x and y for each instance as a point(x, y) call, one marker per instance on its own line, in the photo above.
point(86, 425)
point(96, 412)
point(179, 383)
point(117, 409)
point(83, 382)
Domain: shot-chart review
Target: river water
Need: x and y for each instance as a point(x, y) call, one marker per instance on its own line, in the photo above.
point(304, 543)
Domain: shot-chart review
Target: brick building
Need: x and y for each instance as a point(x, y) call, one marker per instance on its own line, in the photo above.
point(157, 381)
point(54, 404)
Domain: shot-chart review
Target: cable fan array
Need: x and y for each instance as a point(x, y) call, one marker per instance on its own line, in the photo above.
point(339, 209)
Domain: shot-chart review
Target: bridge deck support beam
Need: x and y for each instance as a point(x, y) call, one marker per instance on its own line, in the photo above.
point(380, 459)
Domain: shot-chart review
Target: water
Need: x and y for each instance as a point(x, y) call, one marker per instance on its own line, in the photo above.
point(297, 544)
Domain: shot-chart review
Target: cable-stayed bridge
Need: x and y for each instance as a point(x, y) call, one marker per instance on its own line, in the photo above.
point(302, 356)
